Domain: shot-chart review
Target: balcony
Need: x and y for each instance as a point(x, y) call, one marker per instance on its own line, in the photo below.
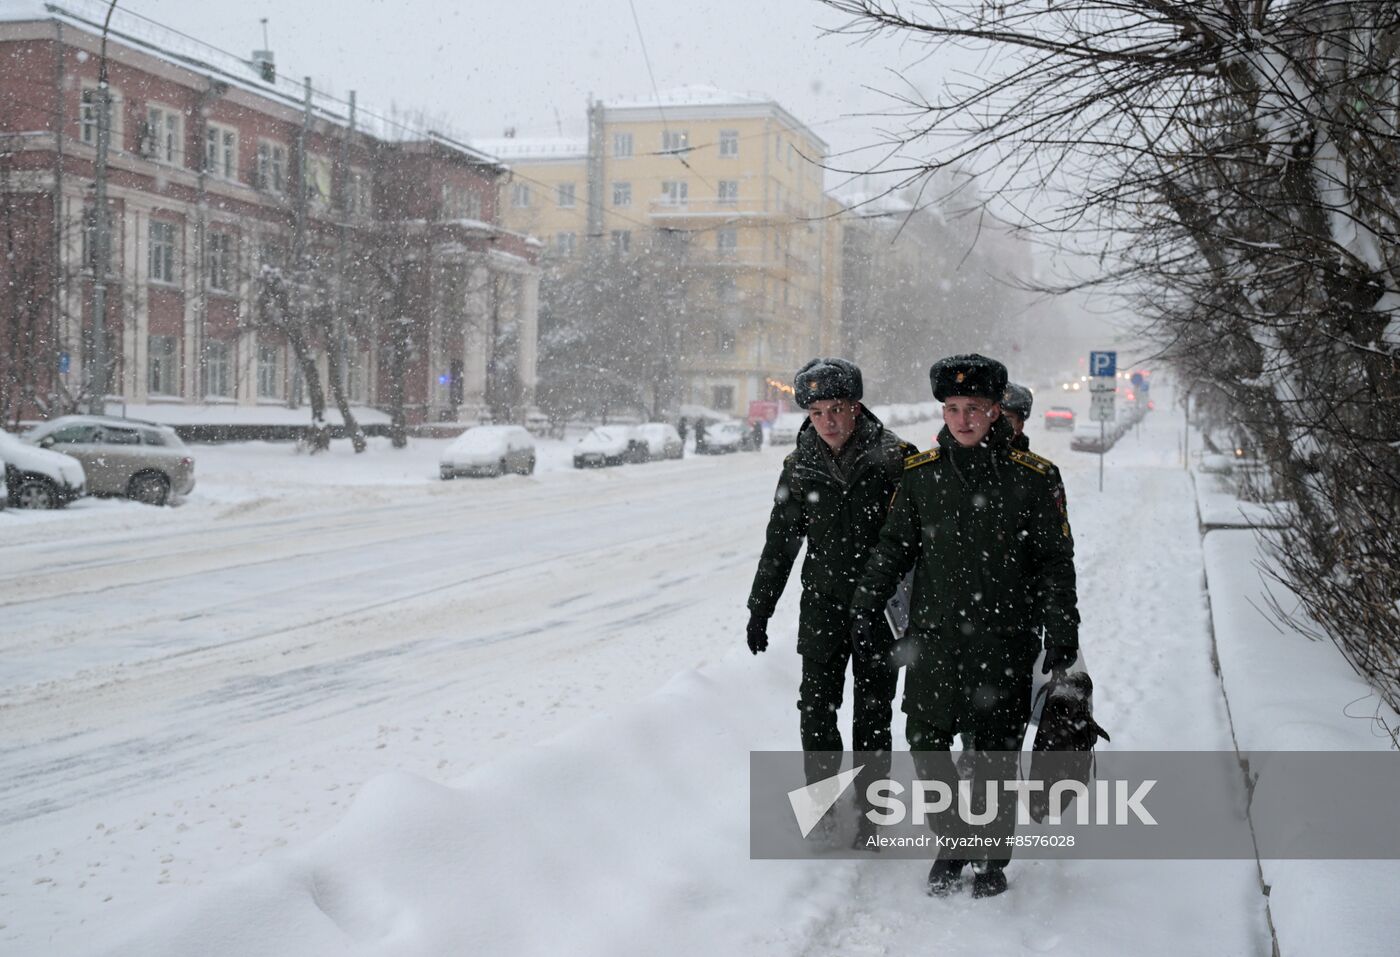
point(710, 209)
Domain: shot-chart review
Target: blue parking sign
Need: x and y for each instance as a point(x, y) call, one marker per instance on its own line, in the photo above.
point(1103, 363)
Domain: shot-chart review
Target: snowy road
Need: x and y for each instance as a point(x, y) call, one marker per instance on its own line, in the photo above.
point(185, 697)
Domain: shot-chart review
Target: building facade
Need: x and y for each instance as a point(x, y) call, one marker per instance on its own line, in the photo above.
point(742, 178)
point(258, 229)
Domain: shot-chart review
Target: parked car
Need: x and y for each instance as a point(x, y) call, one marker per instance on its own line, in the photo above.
point(489, 450)
point(1059, 417)
point(726, 437)
point(38, 478)
point(661, 440)
point(1089, 437)
point(606, 445)
point(144, 461)
point(786, 427)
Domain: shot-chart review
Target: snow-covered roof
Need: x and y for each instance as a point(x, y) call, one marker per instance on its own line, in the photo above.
point(695, 94)
point(148, 36)
point(534, 147)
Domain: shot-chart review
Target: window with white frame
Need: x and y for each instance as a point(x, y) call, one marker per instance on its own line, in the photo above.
point(272, 167)
point(163, 365)
point(565, 195)
point(675, 141)
point(520, 195)
point(269, 379)
point(218, 362)
point(622, 194)
point(88, 234)
point(791, 154)
point(565, 243)
point(87, 116)
point(356, 366)
point(727, 241)
point(221, 151)
point(728, 142)
point(622, 145)
point(728, 191)
point(218, 260)
point(162, 251)
point(318, 179)
point(163, 136)
point(675, 192)
point(621, 242)
point(361, 198)
point(778, 146)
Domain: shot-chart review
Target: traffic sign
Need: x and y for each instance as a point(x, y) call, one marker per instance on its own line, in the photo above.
point(1103, 363)
point(1138, 381)
point(1101, 407)
point(1103, 384)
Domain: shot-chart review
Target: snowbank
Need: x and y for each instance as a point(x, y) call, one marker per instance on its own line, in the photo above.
point(1287, 693)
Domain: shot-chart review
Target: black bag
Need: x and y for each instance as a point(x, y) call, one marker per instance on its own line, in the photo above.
point(1068, 731)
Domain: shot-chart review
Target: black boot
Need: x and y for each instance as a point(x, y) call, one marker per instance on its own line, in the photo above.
point(944, 876)
point(989, 883)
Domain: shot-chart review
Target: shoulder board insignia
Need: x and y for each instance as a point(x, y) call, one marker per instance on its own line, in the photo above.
point(1031, 461)
point(914, 461)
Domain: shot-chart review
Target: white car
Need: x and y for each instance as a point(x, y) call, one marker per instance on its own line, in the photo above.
point(606, 445)
point(661, 439)
point(785, 429)
point(489, 450)
point(725, 437)
point(40, 478)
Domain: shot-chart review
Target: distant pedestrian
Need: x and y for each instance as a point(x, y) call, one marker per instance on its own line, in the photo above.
point(680, 429)
point(757, 434)
point(834, 492)
point(699, 435)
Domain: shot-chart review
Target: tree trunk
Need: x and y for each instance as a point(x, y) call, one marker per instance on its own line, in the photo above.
point(335, 353)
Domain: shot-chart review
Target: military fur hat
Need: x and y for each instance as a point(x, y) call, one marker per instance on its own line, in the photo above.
point(1018, 399)
point(827, 379)
point(969, 375)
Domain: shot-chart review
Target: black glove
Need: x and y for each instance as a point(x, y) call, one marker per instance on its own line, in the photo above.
point(758, 633)
point(865, 635)
point(1058, 658)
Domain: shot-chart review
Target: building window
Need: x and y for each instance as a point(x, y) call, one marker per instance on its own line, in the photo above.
point(565, 243)
point(728, 191)
point(622, 145)
point(89, 238)
point(728, 142)
point(675, 141)
point(162, 364)
point(218, 254)
point(792, 151)
point(355, 376)
point(269, 382)
point(221, 152)
point(272, 167)
point(360, 196)
point(217, 359)
point(566, 195)
point(162, 259)
point(87, 116)
point(722, 397)
point(778, 147)
point(161, 139)
point(724, 341)
point(675, 192)
point(520, 195)
point(622, 194)
point(727, 241)
point(318, 180)
point(621, 242)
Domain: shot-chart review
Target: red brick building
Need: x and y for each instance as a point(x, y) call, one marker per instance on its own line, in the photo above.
point(219, 172)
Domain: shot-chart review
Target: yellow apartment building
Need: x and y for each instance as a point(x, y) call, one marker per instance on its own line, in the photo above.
point(743, 177)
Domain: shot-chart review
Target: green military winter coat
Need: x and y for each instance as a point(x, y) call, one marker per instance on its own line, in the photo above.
point(987, 533)
point(839, 513)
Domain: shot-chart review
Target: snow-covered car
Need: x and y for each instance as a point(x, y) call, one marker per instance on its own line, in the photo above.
point(140, 460)
point(39, 478)
point(1059, 417)
point(726, 437)
point(1093, 436)
point(606, 445)
point(489, 450)
point(785, 429)
point(661, 440)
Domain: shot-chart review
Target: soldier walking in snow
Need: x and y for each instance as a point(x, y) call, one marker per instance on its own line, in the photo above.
point(834, 493)
point(984, 527)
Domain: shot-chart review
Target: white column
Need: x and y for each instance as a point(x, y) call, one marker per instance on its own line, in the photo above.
point(528, 314)
point(475, 346)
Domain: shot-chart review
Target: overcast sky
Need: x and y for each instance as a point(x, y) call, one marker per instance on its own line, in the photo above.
point(532, 64)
